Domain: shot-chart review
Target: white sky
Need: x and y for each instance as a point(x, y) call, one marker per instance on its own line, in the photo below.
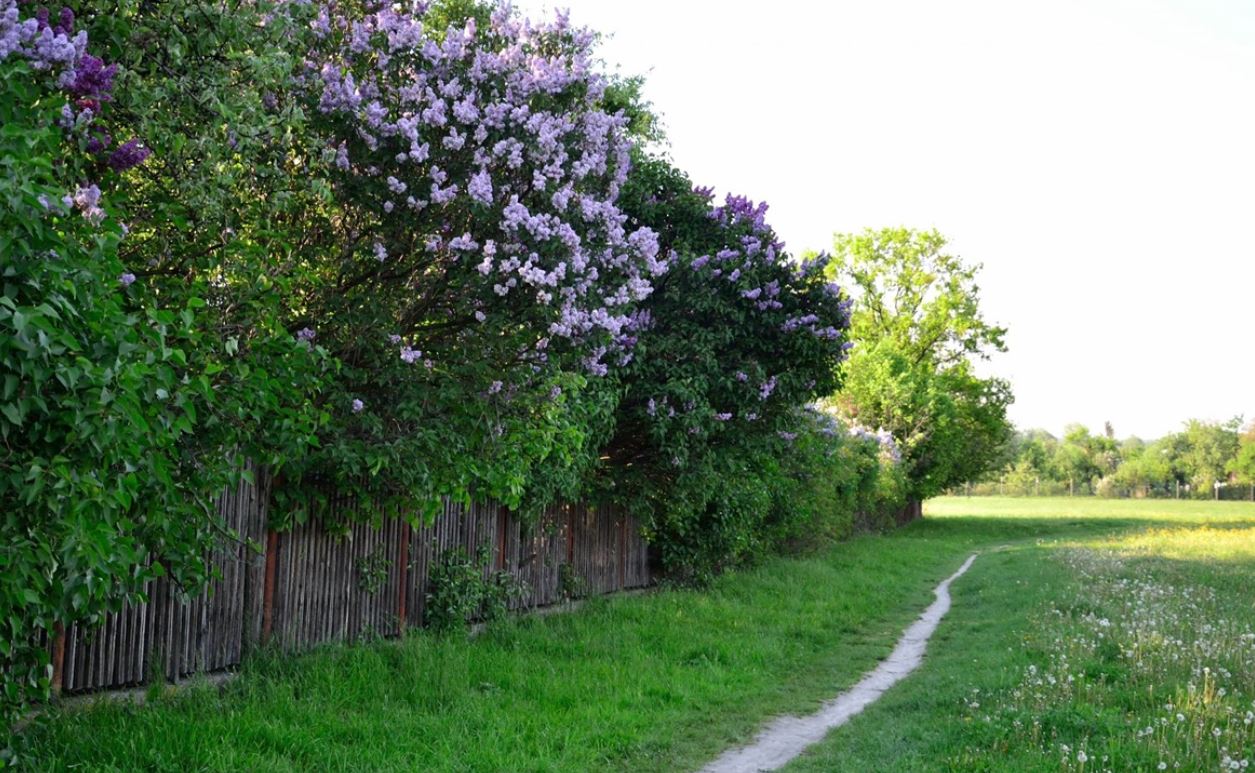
point(1097, 156)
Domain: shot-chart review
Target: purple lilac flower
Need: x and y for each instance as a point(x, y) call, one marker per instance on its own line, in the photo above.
point(480, 187)
point(722, 416)
point(127, 279)
point(476, 103)
point(91, 78)
point(98, 142)
point(494, 387)
point(358, 405)
point(767, 388)
point(410, 356)
point(87, 199)
point(130, 155)
point(306, 334)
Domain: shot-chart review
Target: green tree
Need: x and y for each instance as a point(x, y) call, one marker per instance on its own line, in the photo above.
point(1242, 466)
point(1209, 448)
point(917, 330)
point(1140, 471)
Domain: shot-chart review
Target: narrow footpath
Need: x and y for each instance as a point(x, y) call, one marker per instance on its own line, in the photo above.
point(787, 737)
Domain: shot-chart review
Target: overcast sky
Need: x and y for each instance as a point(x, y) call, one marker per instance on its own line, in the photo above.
point(1097, 156)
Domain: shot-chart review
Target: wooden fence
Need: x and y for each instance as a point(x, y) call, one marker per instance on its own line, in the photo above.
point(308, 586)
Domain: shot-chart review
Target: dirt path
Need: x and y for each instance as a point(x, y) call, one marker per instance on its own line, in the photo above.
point(787, 737)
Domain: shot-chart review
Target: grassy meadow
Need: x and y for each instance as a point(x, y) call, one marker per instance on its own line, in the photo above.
point(1087, 629)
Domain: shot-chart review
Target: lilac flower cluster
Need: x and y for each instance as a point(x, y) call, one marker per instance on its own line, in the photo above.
point(883, 438)
point(498, 130)
point(129, 155)
point(46, 46)
point(87, 200)
point(53, 47)
point(746, 269)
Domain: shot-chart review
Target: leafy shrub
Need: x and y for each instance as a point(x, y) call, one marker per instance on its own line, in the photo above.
point(571, 585)
point(461, 589)
point(733, 340)
point(483, 277)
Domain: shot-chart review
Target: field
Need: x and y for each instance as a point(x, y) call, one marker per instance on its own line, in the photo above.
point(1089, 635)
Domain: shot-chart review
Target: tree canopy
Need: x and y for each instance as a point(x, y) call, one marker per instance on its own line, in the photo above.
point(917, 331)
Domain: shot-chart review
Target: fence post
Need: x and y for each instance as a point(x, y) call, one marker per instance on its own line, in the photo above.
point(58, 658)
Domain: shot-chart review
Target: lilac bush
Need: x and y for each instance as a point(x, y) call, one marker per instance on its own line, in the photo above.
point(734, 340)
point(486, 277)
point(484, 158)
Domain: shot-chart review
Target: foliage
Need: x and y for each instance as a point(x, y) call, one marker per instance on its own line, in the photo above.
point(460, 589)
point(482, 271)
point(834, 481)
point(571, 585)
point(1208, 448)
point(114, 419)
point(222, 217)
point(734, 338)
point(1242, 466)
point(917, 327)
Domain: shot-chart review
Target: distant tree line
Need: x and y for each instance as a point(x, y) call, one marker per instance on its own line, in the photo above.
point(1206, 459)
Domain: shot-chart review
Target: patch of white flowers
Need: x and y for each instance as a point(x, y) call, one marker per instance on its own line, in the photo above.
point(1133, 638)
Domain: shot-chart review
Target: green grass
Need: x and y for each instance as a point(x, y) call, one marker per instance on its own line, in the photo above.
point(663, 681)
point(1122, 621)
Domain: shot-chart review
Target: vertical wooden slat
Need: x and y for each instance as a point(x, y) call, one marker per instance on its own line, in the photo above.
point(403, 572)
point(268, 591)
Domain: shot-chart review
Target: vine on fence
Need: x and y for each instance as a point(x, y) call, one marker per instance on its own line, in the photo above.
point(372, 572)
